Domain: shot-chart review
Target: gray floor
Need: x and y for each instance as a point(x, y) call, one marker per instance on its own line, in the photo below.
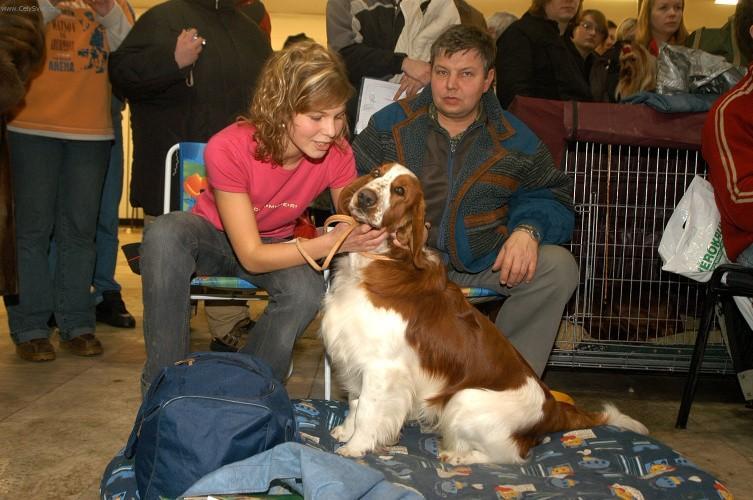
point(60, 422)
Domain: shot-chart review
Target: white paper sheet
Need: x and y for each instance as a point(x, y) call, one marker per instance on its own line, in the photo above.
point(375, 94)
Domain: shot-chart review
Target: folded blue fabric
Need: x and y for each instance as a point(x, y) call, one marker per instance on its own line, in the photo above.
point(673, 103)
point(315, 474)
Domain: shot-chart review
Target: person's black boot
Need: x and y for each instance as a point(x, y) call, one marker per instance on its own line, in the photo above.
point(112, 310)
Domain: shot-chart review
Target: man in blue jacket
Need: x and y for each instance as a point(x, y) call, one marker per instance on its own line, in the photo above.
point(497, 205)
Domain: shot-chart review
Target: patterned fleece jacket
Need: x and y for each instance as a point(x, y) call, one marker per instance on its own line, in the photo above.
point(507, 179)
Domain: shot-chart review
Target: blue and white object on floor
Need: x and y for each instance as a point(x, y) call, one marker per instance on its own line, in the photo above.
point(603, 462)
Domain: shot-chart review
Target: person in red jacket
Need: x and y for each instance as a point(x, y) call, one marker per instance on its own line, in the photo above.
point(728, 149)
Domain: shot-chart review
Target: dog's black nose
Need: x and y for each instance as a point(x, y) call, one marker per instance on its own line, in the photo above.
point(366, 198)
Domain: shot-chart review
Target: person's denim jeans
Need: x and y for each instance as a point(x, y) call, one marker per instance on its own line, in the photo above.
point(180, 245)
point(57, 186)
point(107, 223)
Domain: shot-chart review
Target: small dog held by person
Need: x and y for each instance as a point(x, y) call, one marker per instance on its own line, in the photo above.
point(406, 344)
point(637, 71)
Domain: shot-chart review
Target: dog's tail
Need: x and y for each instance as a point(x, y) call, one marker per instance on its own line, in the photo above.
point(570, 418)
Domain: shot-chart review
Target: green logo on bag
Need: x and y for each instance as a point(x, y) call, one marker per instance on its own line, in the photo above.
point(713, 254)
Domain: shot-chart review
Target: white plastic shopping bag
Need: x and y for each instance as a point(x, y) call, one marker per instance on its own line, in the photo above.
point(692, 241)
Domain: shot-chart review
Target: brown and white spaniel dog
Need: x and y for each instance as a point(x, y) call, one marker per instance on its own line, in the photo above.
point(407, 345)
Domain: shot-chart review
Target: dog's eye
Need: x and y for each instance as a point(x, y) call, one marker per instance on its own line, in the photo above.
point(399, 190)
point(376, 173)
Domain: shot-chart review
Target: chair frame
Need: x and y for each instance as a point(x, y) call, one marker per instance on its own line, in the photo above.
point(727, 280)
point(200, 292)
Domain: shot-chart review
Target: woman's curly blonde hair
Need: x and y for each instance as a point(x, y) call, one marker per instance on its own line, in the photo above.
point(301, 78)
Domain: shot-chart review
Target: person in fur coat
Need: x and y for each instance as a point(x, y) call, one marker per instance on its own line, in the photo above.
point(21, 52)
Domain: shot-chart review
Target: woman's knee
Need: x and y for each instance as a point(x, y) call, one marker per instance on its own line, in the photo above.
point(168, 237)
point(304, 288)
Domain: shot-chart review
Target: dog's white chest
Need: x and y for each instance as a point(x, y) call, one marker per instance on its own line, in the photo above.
point(354, 330)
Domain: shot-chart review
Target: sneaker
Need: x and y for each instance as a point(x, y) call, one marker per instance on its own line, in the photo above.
point(235, 339)
point(36, 350)
point(112, 310)
point(83, 345)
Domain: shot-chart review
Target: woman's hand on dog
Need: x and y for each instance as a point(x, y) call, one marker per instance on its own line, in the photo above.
point(363, 238)
point(517, 259)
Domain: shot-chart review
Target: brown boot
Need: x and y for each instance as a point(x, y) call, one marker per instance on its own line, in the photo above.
point(235, 339)
point(36, 350)
point(83, 345)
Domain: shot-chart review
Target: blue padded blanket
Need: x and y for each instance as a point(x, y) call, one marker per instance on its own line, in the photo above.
point(599, 463)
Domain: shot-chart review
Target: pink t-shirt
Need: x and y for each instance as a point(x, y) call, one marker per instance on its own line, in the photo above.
point(278, 196)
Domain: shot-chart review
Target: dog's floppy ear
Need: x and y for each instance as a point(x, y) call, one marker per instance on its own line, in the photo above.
point(418, 233)
point(412, 232)
point(345, 196)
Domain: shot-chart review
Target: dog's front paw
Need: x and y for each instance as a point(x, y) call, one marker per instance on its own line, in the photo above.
point(341, 433)
point(350, 451)
point(467, 458)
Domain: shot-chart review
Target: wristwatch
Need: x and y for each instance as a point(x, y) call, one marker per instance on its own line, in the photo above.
point(528, 228)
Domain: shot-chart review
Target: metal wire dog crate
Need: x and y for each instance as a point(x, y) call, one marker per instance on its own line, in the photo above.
point(630, 168)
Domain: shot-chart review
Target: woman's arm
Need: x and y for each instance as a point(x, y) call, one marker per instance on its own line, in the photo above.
point(236, 212)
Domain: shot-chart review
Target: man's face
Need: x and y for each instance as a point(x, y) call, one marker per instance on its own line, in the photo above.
point(458, 82)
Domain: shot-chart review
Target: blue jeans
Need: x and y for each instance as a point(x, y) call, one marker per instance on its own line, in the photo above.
point(57, 186)
point(179, 245)
point(107, 223)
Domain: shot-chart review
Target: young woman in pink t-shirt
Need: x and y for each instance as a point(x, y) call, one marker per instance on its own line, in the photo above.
point(263, 171)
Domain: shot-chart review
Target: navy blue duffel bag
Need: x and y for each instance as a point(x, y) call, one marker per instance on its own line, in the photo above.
point(208, 410)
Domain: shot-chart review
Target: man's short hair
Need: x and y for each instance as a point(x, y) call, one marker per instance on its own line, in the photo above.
point(743, 22)
point(462, 37)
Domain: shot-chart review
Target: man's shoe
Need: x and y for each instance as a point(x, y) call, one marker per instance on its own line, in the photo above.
point(112, 310)
point(235, 339)
point(83, 345)
point(36, 350)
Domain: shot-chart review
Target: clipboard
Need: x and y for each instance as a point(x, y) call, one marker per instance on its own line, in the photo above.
point(374, 95)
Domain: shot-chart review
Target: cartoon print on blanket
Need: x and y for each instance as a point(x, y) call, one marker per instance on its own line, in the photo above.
point(603, 462)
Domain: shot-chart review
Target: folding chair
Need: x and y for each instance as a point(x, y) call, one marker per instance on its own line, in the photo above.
point(185, 161)
point(727, 281)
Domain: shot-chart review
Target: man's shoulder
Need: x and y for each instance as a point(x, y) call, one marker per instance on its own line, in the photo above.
point(513, 133)
point(393, 113)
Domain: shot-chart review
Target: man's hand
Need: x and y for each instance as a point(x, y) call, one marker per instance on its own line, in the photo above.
point(409, 85)
point(101, 7)
point(417, 69)
point(187, 47)
point(517, 259)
